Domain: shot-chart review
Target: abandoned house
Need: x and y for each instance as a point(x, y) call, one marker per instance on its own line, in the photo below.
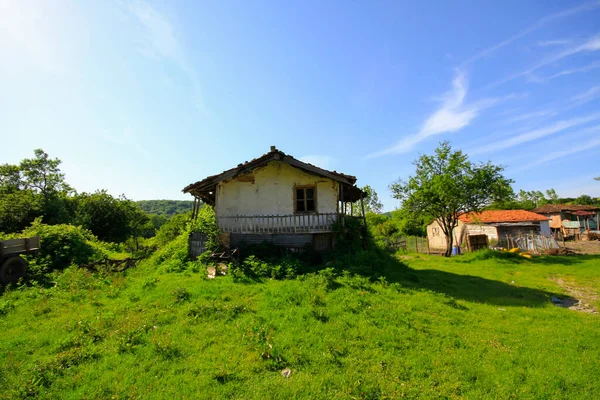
point(492, 226)
point(570, 219)
point(278, 199)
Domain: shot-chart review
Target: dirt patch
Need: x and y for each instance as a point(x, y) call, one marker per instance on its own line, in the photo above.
point(584, 247)
point(579, 298)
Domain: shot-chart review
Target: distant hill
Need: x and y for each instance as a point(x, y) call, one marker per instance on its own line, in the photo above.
point(166, 207)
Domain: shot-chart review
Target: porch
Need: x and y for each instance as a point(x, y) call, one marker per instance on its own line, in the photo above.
point(279, 224)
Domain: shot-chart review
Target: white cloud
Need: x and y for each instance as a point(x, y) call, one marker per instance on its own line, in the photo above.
point(536, 114)
point(161, 42)
point(592, 44)
point(535, 134)
point(577, 148)
point(452, 116)
point(539, 24)
point(556, 42)
point(321, 161)
point(589, 67)
point(587, 96)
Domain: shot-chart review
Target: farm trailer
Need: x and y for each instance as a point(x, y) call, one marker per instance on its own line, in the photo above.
point(12, 265)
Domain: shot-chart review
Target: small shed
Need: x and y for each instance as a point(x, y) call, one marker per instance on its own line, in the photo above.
point(496, 225)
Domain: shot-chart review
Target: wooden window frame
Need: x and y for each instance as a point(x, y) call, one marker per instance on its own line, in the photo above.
point(304, 187)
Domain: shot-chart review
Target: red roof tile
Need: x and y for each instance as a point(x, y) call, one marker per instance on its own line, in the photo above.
point(489, 216)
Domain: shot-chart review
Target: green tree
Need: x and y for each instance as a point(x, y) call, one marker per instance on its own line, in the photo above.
point(18, 210)
point(447, 184)
point(584, 200)
point(42, 174)
point(552, 196)
point(105, 216)
point(35, 187)
point(371, 200)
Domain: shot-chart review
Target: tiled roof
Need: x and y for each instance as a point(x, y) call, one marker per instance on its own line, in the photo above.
point(490, 216)
point(206, 187)
point(556, 208)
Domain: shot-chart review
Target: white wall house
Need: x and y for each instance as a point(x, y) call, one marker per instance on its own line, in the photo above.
point(277, 198)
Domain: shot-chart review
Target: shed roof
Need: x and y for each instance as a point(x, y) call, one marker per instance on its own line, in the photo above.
point(205, 188)
point(492, 216)
point(557, 208)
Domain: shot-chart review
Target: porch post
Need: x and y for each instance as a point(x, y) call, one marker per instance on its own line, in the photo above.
point(362, 205)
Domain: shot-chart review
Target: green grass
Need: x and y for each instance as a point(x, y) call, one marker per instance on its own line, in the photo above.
point(429, 328)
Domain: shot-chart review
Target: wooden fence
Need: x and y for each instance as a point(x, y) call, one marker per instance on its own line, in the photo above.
point(269, 224)
point(531, 242)
point(416, 244)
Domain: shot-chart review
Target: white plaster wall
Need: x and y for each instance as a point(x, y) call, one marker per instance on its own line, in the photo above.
point(438, 242)
point(269, 190)
point(545, 228)
point(477, 229)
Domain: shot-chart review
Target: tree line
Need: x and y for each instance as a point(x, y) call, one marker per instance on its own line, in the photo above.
point(36, 188)
point(447, 184)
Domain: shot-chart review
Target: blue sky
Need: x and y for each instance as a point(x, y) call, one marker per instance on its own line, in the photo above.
point(144, 97)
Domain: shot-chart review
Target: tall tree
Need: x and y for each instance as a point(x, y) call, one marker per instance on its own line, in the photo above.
point(42, 174)
point(35, 187)
point(371, 202)
point(585, 200)
point(447, 184)
point(552, 196)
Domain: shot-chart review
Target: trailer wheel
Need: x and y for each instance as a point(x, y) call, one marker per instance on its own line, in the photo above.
point(12, 270)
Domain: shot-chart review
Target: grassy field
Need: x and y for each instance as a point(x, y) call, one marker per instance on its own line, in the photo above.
point(476, 326)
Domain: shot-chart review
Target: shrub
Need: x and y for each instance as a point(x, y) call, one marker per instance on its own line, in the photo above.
point(254, 268)
point(63, 245)
point(170, 230)
point(173, 257)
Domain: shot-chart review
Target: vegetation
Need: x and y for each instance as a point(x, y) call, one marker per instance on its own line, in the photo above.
point(366, 321)
point(448, 184)
point(477, 326)
point(166, 208)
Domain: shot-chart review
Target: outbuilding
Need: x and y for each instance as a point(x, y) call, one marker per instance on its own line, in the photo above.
point(494, 226)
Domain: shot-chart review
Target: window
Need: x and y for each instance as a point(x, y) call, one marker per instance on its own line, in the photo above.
point(305, 198)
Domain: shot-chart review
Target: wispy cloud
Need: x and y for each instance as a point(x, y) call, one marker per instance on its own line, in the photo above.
point(579, 147)
point(162, 43)
point(453, 115)
point(535, 134)
point(590, 45)
point(531, 115)
point(570, 71)
point(556, 42)
point(539, 24)
point(585, 97)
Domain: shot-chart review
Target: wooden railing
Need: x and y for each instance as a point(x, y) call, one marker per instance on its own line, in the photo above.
point(266, 224)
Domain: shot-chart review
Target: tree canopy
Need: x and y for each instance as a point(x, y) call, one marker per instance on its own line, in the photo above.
point(447, 184)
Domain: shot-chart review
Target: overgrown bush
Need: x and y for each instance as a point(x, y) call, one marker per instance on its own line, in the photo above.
point(175, 226)
point(253, 268)
point(206, 222)
point(63, 245)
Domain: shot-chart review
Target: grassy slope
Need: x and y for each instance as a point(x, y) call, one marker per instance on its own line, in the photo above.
point(440, 328)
